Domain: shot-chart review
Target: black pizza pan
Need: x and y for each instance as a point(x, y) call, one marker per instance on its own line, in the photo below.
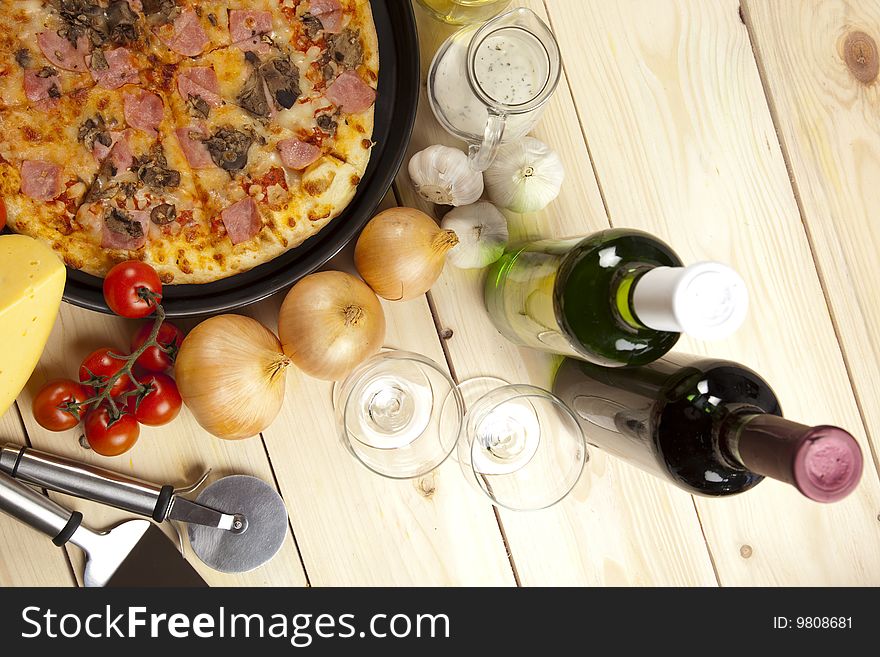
point(396, 106)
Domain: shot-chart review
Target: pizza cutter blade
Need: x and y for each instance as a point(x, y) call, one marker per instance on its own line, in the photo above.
point(265, 525)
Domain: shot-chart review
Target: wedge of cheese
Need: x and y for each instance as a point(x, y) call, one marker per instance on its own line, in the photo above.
point(31, 283)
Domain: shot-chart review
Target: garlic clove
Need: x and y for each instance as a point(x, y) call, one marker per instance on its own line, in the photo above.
point(525, 176)
point(482, 235)
point(442, 175)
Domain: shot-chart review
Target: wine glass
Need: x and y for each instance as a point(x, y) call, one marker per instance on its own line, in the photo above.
point(522, 447)
point(389, 414)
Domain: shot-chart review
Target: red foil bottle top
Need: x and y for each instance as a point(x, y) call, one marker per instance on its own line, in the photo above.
point(824, 462)
point(827, 464)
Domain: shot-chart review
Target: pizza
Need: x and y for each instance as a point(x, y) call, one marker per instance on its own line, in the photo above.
point(204, 137)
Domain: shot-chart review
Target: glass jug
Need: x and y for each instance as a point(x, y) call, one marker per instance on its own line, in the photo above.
point(488, 84)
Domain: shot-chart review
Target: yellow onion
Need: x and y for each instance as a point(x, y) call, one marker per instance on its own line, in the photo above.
point(330, 322)
point(401, 253)
point(230, 371)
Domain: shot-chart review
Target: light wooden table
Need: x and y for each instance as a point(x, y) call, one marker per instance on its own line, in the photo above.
point(734, 131)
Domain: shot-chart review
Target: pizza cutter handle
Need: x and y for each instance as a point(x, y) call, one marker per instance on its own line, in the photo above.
point(86, 481)
point(37, 511)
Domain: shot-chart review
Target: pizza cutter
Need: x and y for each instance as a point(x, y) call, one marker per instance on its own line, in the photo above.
point(235, 524)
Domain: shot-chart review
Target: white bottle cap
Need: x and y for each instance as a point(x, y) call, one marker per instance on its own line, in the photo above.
point(706, 300)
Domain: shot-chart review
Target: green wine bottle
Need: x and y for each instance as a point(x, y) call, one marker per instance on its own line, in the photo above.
point(615, 298)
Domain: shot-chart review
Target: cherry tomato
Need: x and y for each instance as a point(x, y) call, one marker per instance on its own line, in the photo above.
point(101, 365)
point(55, 406)
point(160, 405)
point(2, 214)
point(126, 286)
point(154, 359)
point(110, 437)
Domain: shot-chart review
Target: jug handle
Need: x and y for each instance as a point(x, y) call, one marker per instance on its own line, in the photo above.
point(482, 155)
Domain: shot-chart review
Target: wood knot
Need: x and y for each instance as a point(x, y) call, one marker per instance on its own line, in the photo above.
point(745, 551)
point(860, 55)
point(446, 334)
point(426, 486)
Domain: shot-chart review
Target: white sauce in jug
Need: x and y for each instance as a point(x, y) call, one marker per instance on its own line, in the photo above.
point(511, 67)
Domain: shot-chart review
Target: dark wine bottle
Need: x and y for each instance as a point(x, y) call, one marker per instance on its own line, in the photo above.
point(712, 427)
point(617, 297)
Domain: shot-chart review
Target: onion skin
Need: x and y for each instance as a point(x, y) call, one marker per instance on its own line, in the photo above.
point(401, 253)
point(330, 322)
point(230, 372)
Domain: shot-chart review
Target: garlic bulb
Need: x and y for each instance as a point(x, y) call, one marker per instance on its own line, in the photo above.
point(442, 175)
point(525, 176)
point(482, 235)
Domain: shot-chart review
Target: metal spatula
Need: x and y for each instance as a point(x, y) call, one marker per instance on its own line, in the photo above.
point(134, 553)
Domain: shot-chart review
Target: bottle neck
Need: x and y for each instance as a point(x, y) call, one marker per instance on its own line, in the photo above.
point(642, 301)
point(823, 462)
point(623, 297)
point(706, 300)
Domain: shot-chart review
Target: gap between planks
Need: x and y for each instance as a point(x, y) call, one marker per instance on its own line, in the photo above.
point(776, 126)
point(27, 440)
point(746, 18)
point(448, 358)
point(586, 140)
point(66, 548)
point(577, 111)
point(289, 519)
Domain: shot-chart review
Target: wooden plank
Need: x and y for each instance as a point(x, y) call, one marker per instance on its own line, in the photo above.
point(175, 454)
point(827, 121)
point(600, 533)
point(684, 146)
point(28, 557)
point(357, 528)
